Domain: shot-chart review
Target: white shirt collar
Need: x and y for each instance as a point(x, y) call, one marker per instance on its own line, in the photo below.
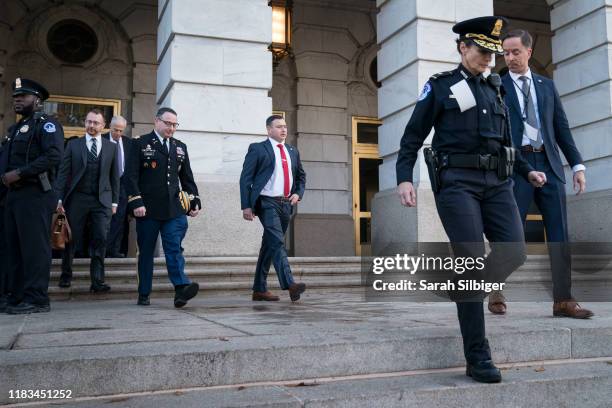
point(88, 137)
point(161, 138)
point(515, 77)
point(274, 142)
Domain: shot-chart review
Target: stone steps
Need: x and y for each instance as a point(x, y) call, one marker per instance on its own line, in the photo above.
point(227, 274)
point(126, 364)
point(579, 384)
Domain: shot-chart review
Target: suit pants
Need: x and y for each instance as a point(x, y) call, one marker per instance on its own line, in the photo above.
point(472, 203)
point(117, 226)
point(27, 217)
point(172, 233)
point(80, 208)
point(274, 217)
point(551, 202)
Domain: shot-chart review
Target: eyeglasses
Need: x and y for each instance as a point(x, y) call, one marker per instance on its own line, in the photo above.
point(169, 124)
point(92, 123)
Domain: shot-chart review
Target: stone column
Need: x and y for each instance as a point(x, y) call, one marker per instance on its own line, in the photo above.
point(582, 55)
point(416, 41)
point(215, 71)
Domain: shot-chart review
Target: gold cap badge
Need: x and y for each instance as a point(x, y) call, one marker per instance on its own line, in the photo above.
point(497, 28)
point(18, 83)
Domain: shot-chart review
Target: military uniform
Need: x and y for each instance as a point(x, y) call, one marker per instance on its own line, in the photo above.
point(34, 149)
point(154, 179)
point(472, 198)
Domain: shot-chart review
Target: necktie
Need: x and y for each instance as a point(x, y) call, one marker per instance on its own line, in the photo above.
point(166, 146)
point(285, 170)
point(119, 159)
point(531, 118)
point(93, 153)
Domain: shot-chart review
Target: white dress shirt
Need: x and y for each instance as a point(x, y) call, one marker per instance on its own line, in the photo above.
point(275, 187)
point(88, 143)
point(518, 86)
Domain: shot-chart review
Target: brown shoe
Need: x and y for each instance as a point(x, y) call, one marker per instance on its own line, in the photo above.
point(267, 296)
point(497, 303)
point(570, 308)
point(295, 290)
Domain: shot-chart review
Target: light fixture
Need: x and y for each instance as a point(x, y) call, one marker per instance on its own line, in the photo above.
point(281, 29)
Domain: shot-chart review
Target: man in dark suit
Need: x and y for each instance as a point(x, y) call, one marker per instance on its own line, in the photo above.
point(271, 183)
point(156, 171)
point(123, 145)
point(539, 128)
point(88, 188)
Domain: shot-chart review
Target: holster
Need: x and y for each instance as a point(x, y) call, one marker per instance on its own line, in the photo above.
point(506, 159)
point(433, 168)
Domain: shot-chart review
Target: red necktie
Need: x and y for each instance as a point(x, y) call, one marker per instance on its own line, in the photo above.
point(285, 170)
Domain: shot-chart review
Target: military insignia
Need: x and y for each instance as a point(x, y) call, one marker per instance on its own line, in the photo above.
point(18, 83)
point(426, 90)
point(145, 165)
point(497, 28)
point(148, 152)
point(153, 164)
point(24, 129)
point(179, 151)
point(49, 127)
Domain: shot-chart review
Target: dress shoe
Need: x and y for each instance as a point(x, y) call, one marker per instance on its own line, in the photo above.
point(570, 308)
point(183, 293)
point(295, 290)
point(27, 308)
point(497, 303)
point(99, 288)
point(267, 295)
point(143, 300)
point(64, 282)
point(115, 255)
point(484, 371)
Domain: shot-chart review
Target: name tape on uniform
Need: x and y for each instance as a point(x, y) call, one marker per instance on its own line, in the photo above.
point(463, 95)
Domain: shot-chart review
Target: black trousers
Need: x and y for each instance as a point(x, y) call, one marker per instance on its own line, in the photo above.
point(27, 217)
point(274, 217)
point(5, 284)
point(473, 204)
point(118, 224)
point(79, 209)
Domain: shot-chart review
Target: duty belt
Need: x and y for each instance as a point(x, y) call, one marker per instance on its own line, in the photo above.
point(470, 161)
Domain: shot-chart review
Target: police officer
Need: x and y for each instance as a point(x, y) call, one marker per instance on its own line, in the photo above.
point(470, 164)
point(4, 275)
point(34, 149)
point(157, 170)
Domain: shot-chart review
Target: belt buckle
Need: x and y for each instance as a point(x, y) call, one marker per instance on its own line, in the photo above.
point(484, 161)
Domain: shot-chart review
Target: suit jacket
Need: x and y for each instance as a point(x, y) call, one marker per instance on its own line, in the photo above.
point(258, 168)
point(127, 150)
point(154, 178)
point(73, 168)
point(553, 122)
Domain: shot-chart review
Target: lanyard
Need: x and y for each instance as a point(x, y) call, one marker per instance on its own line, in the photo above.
point(525, 97)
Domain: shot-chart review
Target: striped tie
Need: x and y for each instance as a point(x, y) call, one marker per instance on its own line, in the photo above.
point(93, 153)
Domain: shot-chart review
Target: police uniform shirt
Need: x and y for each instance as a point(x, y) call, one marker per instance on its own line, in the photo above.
point(478, 130)
point(275, 187)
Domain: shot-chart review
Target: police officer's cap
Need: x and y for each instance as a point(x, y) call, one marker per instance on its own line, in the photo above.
point(485, 32)
point(22, 86)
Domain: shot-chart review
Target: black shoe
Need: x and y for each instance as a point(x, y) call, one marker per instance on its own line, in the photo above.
point(484, 371)
point(115, 255)
point(27, 308)
point(183, 293)
point(99, 288)
point(143, 300)
point(64, 282)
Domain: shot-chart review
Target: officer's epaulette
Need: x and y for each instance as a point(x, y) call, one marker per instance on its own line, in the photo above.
point(441, 74)
point(40, 116)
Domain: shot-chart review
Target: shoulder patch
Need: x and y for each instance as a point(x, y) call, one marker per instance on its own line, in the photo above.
point(49, 127)
point(441, 74)
point(426, 90)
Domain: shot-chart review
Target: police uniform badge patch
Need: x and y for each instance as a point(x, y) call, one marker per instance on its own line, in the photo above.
point(24, 129)
point(426, 90)
point(49, 127)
